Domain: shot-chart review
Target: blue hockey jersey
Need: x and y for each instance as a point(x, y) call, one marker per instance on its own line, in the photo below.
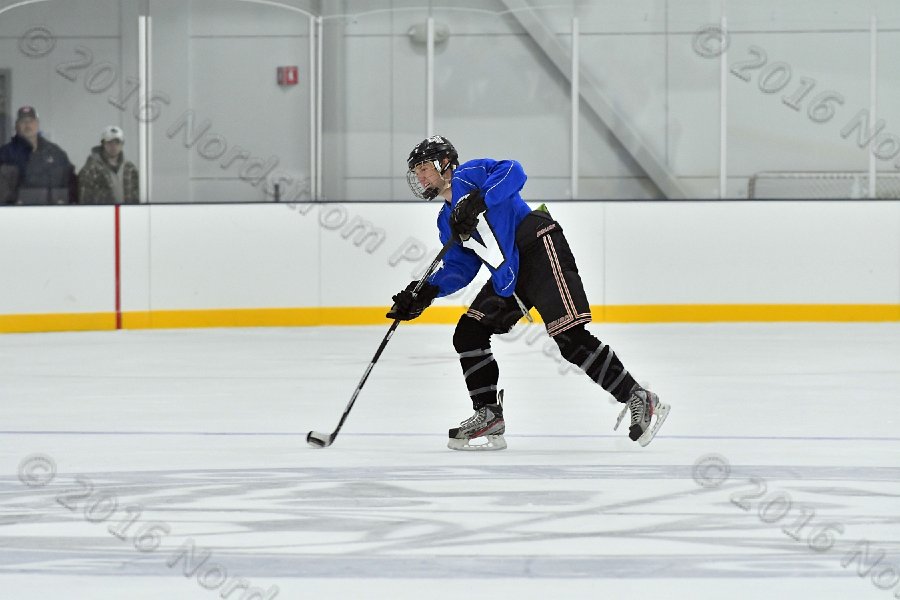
point(499, 183)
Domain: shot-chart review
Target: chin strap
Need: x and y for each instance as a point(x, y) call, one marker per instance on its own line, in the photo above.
point(441, 172)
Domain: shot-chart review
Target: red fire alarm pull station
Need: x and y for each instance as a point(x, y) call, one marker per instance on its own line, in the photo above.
point(288, 75)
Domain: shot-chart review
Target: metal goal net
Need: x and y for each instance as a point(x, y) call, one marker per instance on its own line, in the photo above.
point(822, 184)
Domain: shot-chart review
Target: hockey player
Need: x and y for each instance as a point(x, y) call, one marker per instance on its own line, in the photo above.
point(530, 265)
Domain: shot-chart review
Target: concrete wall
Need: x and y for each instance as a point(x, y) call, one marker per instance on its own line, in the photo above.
point(497, 94)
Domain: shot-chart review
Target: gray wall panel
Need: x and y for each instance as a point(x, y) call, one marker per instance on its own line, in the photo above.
point(497, 95)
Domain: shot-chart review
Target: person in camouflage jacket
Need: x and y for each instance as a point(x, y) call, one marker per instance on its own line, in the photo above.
point(106, 177)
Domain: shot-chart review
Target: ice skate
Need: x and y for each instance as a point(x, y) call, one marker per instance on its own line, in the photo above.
point(482, 431)
point(644, 406)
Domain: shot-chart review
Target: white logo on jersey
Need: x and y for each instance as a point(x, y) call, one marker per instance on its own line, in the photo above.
point(489, 252)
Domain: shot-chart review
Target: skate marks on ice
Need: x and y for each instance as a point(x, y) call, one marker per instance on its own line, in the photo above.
point(557, 521)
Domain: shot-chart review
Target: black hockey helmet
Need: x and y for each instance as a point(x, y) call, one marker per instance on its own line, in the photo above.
point(434, 149)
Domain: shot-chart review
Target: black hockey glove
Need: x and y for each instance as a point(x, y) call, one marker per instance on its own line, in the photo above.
point(408, 306)
point(464, 218)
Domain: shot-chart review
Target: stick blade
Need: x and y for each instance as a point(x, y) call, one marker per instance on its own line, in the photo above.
point(319, 440)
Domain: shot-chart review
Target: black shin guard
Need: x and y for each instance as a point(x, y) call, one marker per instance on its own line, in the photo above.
point(598, 360)
point(472, 341)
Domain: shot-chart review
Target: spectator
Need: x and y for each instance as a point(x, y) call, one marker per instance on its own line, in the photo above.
point(41, 170)
point(9, 181)
point(106, 177)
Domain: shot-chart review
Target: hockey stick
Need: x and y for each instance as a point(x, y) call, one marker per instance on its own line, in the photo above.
point(323, 440)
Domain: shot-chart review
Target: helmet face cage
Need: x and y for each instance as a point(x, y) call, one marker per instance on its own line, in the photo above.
point(433, 150)
point(419, 190)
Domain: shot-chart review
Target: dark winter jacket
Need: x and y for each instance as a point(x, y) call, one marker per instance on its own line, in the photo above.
point(44, 167)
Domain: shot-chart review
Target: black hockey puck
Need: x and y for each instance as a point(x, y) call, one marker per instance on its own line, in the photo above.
point(315, 440)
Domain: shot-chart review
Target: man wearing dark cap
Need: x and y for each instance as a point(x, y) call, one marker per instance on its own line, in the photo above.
point(34, 170)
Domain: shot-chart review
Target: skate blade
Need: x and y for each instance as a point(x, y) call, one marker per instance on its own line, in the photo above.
point(479, 444)
point(662, 411)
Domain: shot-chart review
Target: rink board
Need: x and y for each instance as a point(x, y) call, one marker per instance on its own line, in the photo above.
point(174, 266)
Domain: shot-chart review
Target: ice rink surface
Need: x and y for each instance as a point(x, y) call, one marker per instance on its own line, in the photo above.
point(132, 458)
